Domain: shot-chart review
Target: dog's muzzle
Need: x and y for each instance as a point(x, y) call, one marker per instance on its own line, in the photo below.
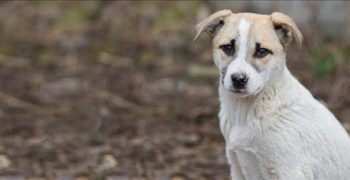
point(239, 81)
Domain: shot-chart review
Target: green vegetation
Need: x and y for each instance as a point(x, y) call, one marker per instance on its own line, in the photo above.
point(77, 16)
point(325, 58)
point(202, 72)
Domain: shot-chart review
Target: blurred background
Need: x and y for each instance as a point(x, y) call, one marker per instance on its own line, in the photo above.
point(118, 89)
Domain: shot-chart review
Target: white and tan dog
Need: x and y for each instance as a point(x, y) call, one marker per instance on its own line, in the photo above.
point(273, 127)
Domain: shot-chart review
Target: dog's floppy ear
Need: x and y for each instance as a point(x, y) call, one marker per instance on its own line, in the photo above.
point(212, 24)
point(286, 29)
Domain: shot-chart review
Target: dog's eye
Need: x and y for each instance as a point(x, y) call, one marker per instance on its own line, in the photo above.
point(228, 49)
point(262, 52)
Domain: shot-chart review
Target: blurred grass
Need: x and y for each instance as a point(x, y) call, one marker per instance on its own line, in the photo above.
point(201, 72)
point(76, 17)
point(326, 56)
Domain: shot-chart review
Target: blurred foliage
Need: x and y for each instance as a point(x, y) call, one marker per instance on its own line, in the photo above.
point(326, 56)
point(77, 16)
point(202, 72)
point(175, 14)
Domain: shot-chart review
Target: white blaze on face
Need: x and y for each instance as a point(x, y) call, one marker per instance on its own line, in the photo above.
point(239, 64)
point(243, 30)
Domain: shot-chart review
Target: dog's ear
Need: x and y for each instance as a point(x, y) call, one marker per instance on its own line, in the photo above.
point(286, 29)
point(212, 24)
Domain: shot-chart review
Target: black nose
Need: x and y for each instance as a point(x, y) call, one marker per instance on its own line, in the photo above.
point(239, 80)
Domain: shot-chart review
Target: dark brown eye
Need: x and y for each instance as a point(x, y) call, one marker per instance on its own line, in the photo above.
point(229, 49)
point(262, 52)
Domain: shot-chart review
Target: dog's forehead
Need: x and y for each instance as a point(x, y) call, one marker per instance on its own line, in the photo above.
point(260, 29)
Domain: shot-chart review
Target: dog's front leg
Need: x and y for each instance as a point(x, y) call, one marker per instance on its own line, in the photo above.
point(235, 169)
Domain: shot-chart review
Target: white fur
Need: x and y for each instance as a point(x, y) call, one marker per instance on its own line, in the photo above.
point(239, 64)
point(243, 30)
point(282, 132)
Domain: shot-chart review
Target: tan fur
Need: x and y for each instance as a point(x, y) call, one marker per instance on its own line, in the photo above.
point(281, 19)
point(262, 31)
point(266, 23)
point(262, 28)
point(203, 25)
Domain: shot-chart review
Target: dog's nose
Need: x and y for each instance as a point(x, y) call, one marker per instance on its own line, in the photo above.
point(239, 80)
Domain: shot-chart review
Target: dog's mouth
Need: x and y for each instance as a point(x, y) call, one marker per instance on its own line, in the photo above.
point(239, 91)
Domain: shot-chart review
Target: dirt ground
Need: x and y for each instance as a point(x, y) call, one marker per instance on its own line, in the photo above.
point(118, 90)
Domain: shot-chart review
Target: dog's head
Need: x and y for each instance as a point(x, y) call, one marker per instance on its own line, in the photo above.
point(249, 49)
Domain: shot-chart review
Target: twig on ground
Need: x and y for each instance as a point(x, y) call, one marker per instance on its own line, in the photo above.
point(16, 102)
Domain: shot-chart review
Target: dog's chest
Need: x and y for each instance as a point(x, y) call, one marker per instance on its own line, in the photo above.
point(235, 126)
point(240, 127)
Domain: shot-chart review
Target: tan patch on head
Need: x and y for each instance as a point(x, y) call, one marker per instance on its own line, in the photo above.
point(288, 27)
point(262, 29)
point(227, 33)
point(212, 23)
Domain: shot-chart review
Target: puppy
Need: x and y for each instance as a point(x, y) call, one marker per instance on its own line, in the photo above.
point(273, 127)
